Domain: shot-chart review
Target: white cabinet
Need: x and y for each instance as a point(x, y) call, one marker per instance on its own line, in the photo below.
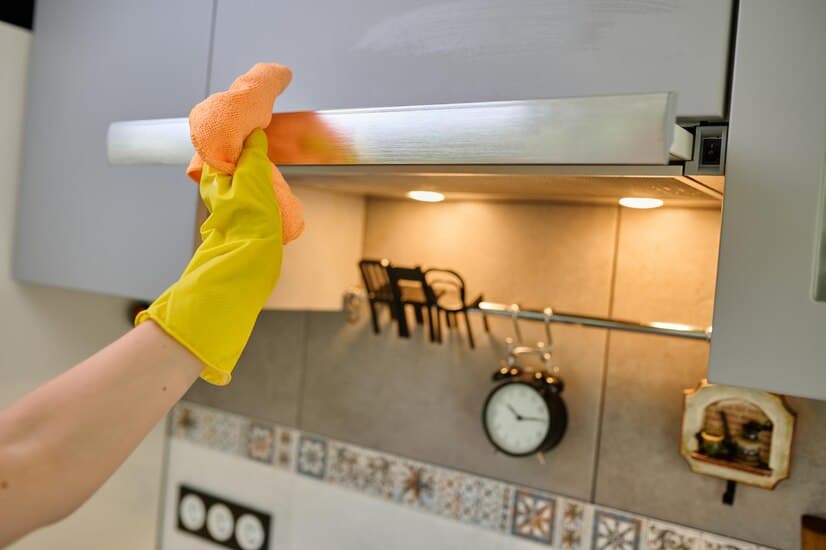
point(375, 53)
point(769, 331)
point(82, 224)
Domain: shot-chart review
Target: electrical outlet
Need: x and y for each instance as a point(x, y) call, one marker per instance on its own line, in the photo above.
point(221, 521)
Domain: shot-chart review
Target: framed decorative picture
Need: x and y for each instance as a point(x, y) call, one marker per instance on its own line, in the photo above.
point(737, 434)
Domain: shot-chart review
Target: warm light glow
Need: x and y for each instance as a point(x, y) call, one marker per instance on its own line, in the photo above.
point(426, 196)
point(672, 326)
point(640, 202)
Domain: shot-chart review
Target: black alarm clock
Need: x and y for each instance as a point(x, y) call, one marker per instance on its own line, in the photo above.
point(525, 413)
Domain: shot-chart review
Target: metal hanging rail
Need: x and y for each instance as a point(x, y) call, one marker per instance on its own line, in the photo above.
point(354, 297)
point(513, 311)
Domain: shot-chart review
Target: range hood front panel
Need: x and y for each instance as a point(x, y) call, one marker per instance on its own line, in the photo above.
point(625, 130)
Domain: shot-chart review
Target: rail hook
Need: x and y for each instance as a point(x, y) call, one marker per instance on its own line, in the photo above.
point(515, 320)
point(547, 347)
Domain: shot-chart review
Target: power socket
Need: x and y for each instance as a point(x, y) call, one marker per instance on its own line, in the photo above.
point(221, 521)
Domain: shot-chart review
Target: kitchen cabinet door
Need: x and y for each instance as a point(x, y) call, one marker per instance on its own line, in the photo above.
point(769, 330)
point(375, 53)
point(82, 224)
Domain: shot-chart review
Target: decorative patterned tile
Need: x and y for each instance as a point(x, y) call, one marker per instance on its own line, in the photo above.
point(286, 448)
point(414, 484)
point(666, 536)
point(449, 496)
point(494, 504)
point(574, 522)
point(713, 542)
point(183, 422)
point(476, 500)
point(359, 469)
point(312, 456)
point(214, 429)
point(533, 516)
point(468, 499)
point(613, 531)
point(260, 442)
point(224, 432)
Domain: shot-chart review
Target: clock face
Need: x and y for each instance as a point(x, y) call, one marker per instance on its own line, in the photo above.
point(516, 418)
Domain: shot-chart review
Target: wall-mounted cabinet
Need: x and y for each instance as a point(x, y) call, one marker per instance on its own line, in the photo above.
point(768, 323)
point(83, 224)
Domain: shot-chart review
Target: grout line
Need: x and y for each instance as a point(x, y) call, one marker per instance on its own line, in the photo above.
point(732, 47)
point(604, 382)
point(160, 514)
point(211, 46)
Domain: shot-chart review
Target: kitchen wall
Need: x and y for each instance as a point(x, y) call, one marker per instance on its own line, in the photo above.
point(420, 400)
point(44, 331)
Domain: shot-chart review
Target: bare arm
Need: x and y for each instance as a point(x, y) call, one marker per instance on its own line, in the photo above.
point(61, 442)
point(76, 430)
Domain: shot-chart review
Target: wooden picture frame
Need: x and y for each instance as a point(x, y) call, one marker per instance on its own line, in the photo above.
point(737, 434)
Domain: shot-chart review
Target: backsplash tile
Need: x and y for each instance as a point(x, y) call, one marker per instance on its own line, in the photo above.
point(414, 484)
point(355, 468)
point(312, 456)
point(493, 507)
point(533, 516)
point(526, 513)
point(455, 497)
point(209, 427)
point(575, 519)
point(286, 448)
point(615, 531)
point(667, 536)
point(260, 442)
point(714, 542)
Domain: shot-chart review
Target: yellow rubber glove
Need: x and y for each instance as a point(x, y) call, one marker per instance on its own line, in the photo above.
point(212, 308)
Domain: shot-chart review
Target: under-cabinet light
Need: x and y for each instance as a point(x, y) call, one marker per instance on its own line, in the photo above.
point(426, 196)
point(640, 202)
point(671, 326)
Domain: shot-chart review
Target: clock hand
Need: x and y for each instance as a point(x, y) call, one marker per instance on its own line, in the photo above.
point(535, 419)
point(516, 414)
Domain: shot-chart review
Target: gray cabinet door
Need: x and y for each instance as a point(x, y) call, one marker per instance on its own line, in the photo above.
point(82, 224)
point(769, 332)
point(374, 53)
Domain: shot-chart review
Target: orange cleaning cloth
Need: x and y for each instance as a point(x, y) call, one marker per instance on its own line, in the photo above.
point(219, 125)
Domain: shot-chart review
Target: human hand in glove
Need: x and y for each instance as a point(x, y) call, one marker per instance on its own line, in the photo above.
point(212, 308)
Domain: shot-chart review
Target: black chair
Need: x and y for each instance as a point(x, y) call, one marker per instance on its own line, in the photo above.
point(377, 284)
point(410, 288)
point(448, 288)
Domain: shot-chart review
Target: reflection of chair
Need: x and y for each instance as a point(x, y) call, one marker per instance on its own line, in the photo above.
point(409, 288)
point(450, 294)
point(377, 283)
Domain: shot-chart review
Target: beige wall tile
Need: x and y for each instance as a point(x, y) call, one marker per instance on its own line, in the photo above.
point(537, 254)
point(267, 381)
point(424, 400)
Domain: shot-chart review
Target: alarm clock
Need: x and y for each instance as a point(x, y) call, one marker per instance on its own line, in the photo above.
point(525, 414)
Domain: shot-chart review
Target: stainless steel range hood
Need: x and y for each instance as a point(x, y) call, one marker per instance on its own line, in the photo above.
point(590, 149)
